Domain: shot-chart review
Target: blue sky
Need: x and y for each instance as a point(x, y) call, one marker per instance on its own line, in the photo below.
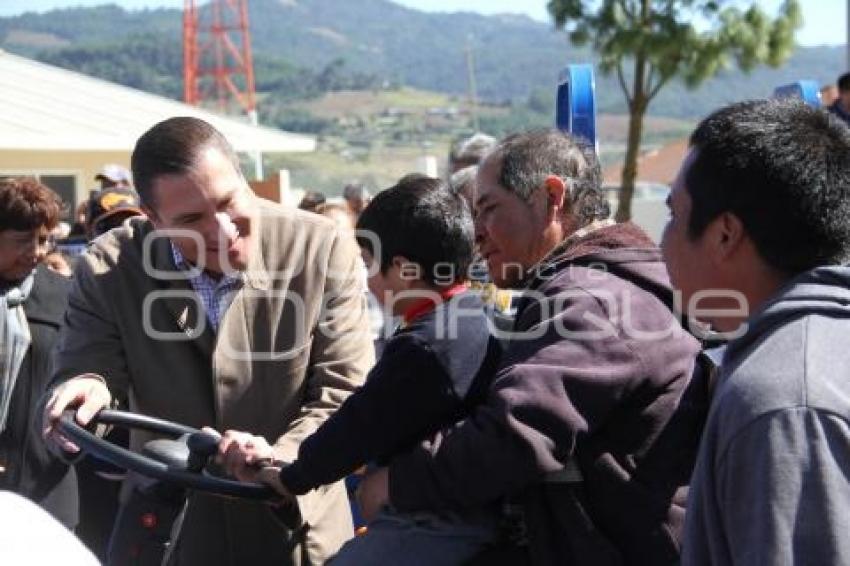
point(825, 20)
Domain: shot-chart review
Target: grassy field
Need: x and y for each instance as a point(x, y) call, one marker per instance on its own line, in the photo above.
point(380, 136)
point(363, 103)
point(329, 171)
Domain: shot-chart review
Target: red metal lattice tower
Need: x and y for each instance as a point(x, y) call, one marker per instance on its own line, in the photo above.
point(215, 68)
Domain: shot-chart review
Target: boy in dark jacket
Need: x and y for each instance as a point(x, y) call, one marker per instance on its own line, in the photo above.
point(417, 241)
point(592, 421)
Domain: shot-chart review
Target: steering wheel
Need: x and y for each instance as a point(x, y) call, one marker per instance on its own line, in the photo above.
point(180, 461)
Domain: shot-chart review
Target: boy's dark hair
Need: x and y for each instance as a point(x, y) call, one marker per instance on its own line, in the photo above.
point(844, 82)
point(26, 204)
point(172, 147)
point(783, 168)
point(420, 219)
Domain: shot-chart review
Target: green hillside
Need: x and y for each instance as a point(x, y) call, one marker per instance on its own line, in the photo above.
point(379, 84)
point(377, 136)
point(365, 43)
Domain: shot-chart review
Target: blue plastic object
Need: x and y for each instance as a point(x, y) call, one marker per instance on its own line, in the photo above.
point(576, 103)
point(805, 90)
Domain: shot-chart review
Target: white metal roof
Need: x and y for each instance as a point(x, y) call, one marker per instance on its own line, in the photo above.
point(43, 107)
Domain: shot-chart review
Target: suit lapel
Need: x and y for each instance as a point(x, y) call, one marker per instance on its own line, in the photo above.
point(180, 298)
point(185, 306)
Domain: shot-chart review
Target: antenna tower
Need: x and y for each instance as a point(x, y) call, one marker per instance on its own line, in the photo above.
point(218, 69)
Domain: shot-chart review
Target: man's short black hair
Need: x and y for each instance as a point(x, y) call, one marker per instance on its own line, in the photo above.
point(783, 168)
point(311, 200)
point(420, 219)
point(843, 82)
point(172, 147)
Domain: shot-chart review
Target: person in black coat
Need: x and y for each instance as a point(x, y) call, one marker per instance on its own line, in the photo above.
point(28, 210)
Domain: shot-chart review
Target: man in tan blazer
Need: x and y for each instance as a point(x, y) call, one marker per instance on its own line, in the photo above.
point(221, 310)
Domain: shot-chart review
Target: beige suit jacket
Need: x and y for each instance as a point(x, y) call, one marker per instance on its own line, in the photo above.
point(293, 344)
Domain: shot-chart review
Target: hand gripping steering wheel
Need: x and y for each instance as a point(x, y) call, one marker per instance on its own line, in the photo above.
point(179, 461)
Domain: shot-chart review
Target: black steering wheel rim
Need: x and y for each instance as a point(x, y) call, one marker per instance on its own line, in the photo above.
point(146, 466)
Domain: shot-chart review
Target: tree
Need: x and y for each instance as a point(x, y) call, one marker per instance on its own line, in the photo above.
point(658, 40)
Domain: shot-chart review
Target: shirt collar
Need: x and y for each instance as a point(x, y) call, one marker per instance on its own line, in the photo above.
point(427, 304)
point(195, 273)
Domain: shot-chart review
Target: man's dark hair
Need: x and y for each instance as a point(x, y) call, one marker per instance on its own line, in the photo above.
point(354, 191)
point(783, 168)
point(172, 147)
point(311, 200)
point(420, 219)
point(26, 204)
point(526, 159)
point(843, 82)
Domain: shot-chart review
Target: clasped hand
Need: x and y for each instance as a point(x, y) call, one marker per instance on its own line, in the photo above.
point(250, 458)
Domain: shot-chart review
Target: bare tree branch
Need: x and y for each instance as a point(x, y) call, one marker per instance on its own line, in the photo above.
point(647, 86)
point(661, 82)
point(622, 80)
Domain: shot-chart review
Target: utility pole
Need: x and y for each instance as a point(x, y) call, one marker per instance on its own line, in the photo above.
point(473, 94)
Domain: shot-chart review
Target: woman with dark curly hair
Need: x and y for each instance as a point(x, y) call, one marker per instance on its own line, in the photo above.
point(32, 302)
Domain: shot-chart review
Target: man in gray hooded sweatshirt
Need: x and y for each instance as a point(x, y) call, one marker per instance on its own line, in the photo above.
point(758, 236)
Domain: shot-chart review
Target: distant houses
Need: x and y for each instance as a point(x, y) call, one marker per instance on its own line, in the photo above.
point(657, 169)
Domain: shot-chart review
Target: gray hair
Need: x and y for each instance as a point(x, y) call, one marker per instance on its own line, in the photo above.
point(462, 179)
point(471, 150)
point(526, 159)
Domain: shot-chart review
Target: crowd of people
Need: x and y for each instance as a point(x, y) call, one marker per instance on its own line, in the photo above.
point(554, 387)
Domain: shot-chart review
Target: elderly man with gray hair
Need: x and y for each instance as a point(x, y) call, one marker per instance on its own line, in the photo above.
point(470, 151)
point(591, 424)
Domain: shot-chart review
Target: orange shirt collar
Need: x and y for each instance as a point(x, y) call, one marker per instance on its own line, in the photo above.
point(427, 304)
